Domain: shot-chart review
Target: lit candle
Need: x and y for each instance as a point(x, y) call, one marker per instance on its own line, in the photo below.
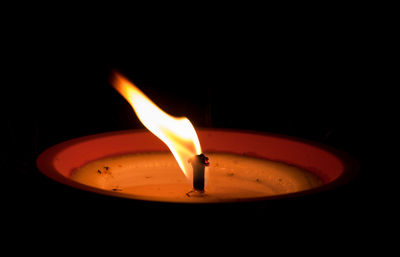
point(243, 166)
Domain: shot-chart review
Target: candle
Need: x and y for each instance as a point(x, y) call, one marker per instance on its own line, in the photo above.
point(229, 177)
point(242, 166)
point(169, 164)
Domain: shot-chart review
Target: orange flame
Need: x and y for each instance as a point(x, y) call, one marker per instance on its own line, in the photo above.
point(177, 133)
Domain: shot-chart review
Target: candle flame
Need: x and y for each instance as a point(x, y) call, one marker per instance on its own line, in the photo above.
point(177, 133)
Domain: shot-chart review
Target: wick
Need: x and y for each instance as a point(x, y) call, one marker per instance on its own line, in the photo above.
point(199, 162)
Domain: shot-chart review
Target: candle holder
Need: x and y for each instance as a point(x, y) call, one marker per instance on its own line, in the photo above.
point(331, 166)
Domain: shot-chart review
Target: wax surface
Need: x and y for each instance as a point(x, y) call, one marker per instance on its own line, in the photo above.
point(157, 176)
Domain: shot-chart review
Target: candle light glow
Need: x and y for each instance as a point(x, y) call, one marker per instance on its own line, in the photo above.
point(177, 133)
point(245, 166)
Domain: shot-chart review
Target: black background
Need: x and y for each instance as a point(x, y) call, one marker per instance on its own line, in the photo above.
point(295, 77)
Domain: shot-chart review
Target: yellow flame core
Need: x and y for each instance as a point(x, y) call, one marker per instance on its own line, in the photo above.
point(177, 133)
